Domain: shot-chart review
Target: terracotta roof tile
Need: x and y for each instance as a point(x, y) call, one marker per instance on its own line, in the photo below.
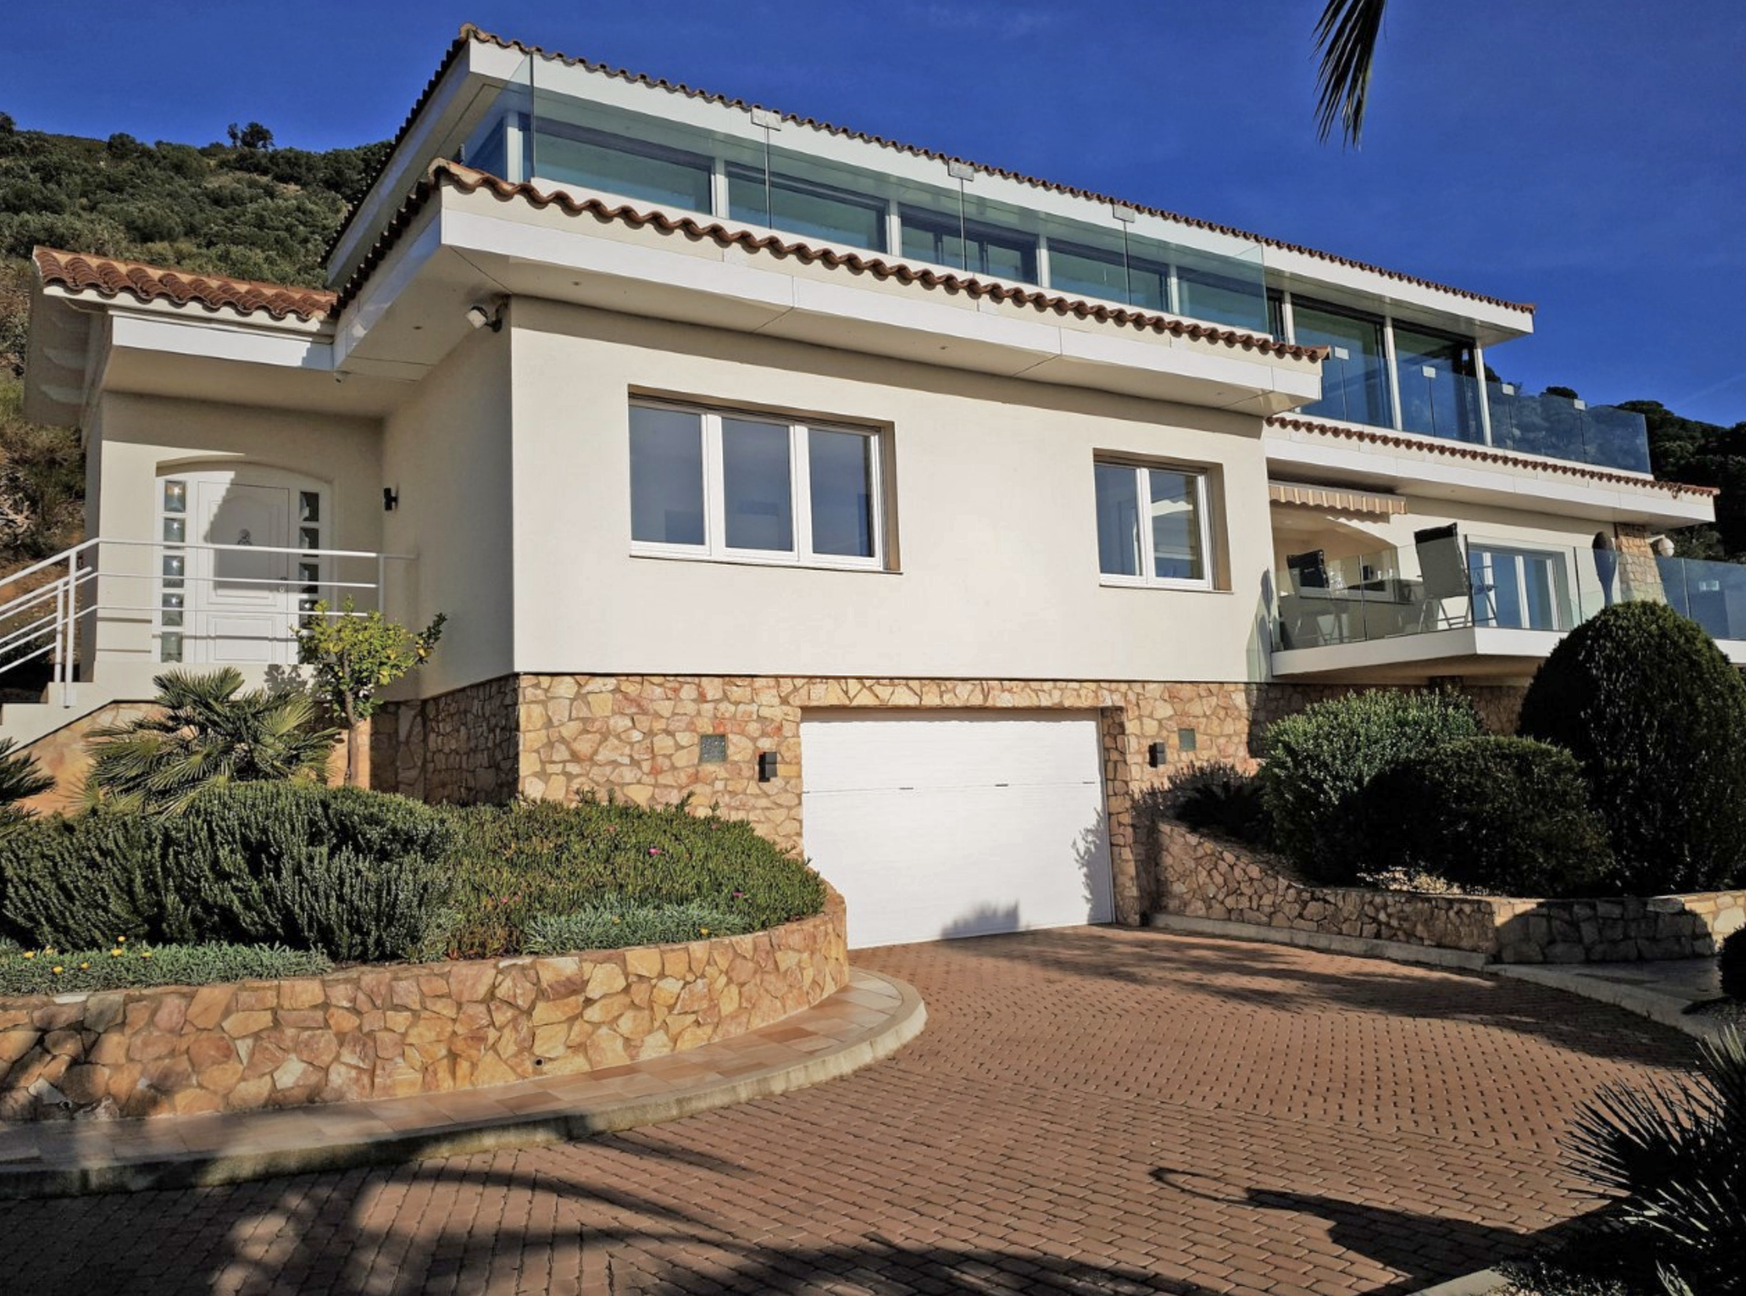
point(110, 277)
point(469, 32)
point(467, 180)
point(1484, 454)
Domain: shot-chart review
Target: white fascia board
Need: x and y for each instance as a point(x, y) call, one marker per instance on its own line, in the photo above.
point(1541, 492)
point(385, 284)
point(1189, 360)
point(220, 341)
point(470, 83)
point(1312, 276)
point(1437, 646)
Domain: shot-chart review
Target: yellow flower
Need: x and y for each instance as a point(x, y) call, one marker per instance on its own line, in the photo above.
point(83, 966)
point(121, 940)
point(145, 953)
point(704, 930)
point(58, 969)
point(114, 953)
point(29, 953)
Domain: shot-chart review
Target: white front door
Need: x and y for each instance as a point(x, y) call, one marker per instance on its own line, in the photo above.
point(957, 823)
point(242, 606)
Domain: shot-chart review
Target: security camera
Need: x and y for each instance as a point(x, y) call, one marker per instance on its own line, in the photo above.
point(479, 316)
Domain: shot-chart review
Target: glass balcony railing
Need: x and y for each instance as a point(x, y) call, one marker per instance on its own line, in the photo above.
point(536, 131)
point(1567, 429)
point(1449, 581)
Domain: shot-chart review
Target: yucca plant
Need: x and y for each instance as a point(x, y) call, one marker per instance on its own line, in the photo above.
point(1675, 1155)
point(20, 779)
point(204, 730)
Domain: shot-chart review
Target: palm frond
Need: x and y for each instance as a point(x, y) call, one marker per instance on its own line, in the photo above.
point(1347, 35)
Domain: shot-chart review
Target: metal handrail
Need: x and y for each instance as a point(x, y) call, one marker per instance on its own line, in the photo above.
point(56, 631)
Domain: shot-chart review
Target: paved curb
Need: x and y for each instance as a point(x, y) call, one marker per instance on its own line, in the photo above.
point(1644, 1003)
point(1326, 942)
point(1473, 1284)
point(443, 1136)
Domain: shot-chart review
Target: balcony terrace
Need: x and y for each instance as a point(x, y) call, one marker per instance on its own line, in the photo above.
point(1454, 604)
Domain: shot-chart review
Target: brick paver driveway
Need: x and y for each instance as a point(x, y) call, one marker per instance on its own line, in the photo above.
point(1088, 1111)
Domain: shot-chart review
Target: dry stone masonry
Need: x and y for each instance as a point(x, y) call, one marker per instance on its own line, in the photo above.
point(379, 1032)
point(1200, 877)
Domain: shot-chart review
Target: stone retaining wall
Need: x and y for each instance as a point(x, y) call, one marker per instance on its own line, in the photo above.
point(1200, 877)
point(375, 1032)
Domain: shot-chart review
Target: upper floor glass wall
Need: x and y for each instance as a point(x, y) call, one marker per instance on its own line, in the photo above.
point(535, 132)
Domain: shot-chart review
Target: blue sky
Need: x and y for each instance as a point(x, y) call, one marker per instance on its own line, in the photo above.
point(1588, 157)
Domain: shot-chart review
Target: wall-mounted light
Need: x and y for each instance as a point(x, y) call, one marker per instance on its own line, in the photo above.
point(1158, 755)
point(485, 315)
point(766, 766)
point(390, 499)
point(1187, 740)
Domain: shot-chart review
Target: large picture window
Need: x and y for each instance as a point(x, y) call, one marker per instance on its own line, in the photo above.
point(719, 484)
point(1152, 526)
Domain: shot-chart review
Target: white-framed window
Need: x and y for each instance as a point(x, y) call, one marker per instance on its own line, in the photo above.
point(1517, 589)
point(1153, 526)
point(712, 483)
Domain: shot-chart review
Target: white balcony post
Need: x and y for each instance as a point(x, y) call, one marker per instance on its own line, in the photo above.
point(72, 626)
point(1393, 375)
point(1484, 392)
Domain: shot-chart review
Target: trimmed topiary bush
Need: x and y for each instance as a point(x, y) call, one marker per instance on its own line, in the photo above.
point(1656, 716)
point(1731, 962)
point(353, 875)
point(517, 863)
point(1508, 816)
point(1320, 760)
point(1219, 798)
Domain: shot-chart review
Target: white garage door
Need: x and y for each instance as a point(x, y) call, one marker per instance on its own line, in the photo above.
point(955, 824)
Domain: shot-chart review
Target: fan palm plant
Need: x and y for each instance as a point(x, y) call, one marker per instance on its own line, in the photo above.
point(204, 730)
point(20, 779)
point(1346, 35)
point(1676, 1156)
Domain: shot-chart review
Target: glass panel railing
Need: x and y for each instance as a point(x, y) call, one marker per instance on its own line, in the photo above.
point(1711, 593)
point(535, 130)
point(1438, 400)
point(1355, 373)
point(1560, 428)
point(1456, 582)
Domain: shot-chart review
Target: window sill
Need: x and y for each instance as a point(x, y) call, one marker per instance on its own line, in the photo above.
point(741, 560)
point(1160, 586)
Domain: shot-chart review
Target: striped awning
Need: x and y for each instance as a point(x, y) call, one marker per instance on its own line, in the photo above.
point(1335, 499)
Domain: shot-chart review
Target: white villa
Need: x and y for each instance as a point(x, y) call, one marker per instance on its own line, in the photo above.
point(919, 511)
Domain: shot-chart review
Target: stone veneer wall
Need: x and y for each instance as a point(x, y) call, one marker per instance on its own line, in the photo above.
point(374, 1032)
point(1199, 877)
point(458, 747)
point(638, 736)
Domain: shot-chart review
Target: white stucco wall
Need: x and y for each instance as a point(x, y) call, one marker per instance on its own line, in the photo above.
point(137, 439)
point(446, 450)
point(994, 513)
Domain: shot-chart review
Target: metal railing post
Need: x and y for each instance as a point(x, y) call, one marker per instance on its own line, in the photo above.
point(72, 579)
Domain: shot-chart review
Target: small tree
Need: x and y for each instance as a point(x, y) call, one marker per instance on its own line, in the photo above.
point(355, 655)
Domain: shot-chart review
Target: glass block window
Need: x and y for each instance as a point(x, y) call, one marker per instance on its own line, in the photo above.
point(172, 568)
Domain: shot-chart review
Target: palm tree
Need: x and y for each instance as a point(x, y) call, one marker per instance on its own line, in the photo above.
point(204, 731)
point(1346, 35)
point(20, 779)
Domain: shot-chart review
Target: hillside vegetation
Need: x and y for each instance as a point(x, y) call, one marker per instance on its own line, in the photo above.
point(243, 207)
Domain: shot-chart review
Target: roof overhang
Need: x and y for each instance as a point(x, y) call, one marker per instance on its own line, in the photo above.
point(1429, 469)
point(465, 238)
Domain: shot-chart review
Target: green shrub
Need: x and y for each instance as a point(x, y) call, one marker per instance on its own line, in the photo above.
point(1319, 761)
point(354, 875)
point(1219, 798)
point(20, 779)
point(1731, 963)
point(1676, 1157)
point(1508, 816)
point(1657, 718)
point(513, 864)
point(613, 924)
point(116, 967)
